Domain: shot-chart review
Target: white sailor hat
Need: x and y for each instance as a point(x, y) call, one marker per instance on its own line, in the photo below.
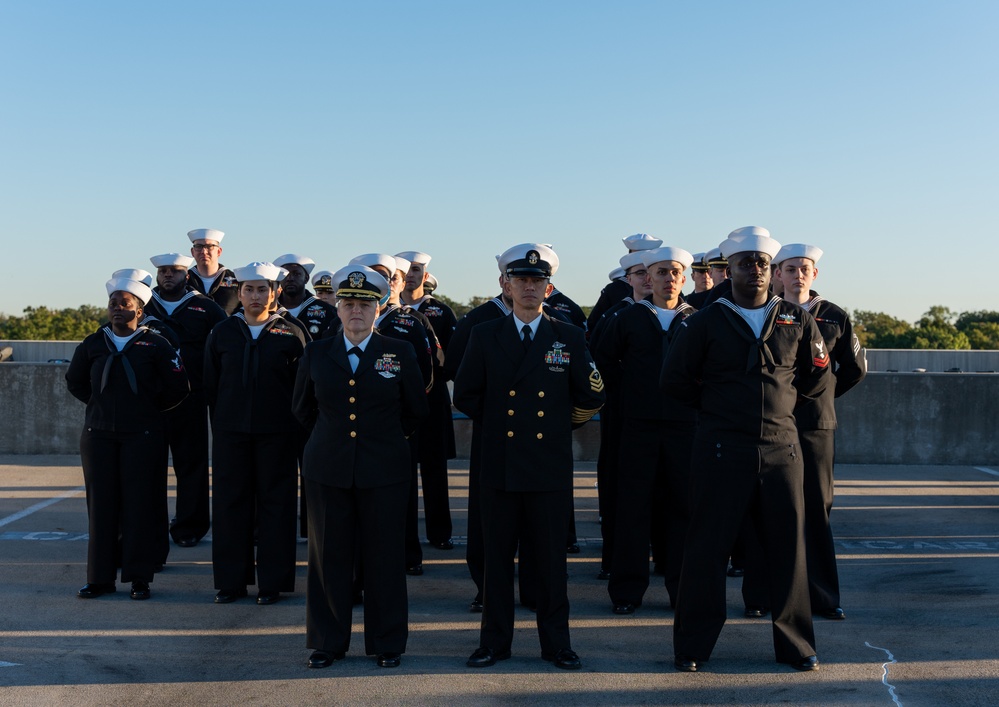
point(259, 271)
point(307, 264)
point(359, 282)
point(168, 260)
point(125, 284)
point(747, 231)
point(798, 250)
point(430, 284)
point(714, 258)
point(136, 274)
point(631, 260)
point(401, 264)
point(323, 281)
point(641, 241)
point(205, 234)
point(700, 263)
point(676, 255)
point(531, 259)
point(372, 259)
point(615, 274)
point(414, 256)
point(750, 244)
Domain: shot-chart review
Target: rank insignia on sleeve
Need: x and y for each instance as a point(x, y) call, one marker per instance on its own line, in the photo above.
point(820, 360)
point(596, 382)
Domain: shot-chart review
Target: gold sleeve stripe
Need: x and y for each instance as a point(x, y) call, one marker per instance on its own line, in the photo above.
point(583, 414)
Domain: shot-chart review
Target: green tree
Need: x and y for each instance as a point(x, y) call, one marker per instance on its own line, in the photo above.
point(982, 335)
point(44, 324)
point(877, 330)
point(936, 330)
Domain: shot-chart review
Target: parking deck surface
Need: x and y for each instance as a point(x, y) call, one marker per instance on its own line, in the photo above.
point(919, 566)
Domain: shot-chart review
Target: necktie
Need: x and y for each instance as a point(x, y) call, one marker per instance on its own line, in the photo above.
point(526, 331)
point(356, 351)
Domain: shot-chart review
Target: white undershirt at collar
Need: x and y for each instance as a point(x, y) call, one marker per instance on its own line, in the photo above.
point(532, 324)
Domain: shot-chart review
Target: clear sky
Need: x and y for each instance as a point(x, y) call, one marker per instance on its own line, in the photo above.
point(461, 128)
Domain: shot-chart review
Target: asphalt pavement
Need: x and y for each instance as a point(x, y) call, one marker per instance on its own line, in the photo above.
point(918, 549)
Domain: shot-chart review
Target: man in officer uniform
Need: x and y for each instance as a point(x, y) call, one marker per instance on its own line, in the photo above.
point(699, 273)
point(436, 438)
point(654, 466)
point(315, 315)
point(816, 420)
point(743, 363)
point(322, 283)
point(617, 290)
point(210, 277)
point(529, 380)
point(191, 316)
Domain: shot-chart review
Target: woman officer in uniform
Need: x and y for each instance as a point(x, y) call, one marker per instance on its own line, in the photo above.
point(361, 395)
point(127, 375)
point(250, 363)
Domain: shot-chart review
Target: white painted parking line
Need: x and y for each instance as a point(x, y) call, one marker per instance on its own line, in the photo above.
point(39, 506)
point(7, 665)
point(987, 471)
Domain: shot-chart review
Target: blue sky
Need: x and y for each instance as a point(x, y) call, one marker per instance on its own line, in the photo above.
point(461, 128)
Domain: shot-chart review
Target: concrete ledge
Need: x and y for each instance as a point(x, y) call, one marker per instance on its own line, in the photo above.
point(890, 418)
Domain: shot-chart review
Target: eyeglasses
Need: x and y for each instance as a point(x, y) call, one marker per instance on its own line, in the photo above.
point(204, 246)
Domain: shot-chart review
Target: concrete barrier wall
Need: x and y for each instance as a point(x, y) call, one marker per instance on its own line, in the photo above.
point(890, 418)
point(932, 360)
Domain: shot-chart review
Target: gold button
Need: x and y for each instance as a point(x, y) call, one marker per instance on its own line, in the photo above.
point(512, 393)
point(510, 433)
point(541, 393)
point(509, 412)
point(353, 434)
point(540, 435)
point(353, 416)
point(352, 399)
point(541, 413)
point(351, 382)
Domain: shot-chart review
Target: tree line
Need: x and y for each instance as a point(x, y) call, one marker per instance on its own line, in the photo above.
point(939, 328)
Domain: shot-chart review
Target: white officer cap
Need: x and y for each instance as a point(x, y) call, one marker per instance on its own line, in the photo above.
point(168, 260)
point(700, 263)
point(359, 282)
point(615, 274)
point(205, 234)
point(415, 256)
point(259, 271)
point(430, 284)
point(798, 250)
point(532, 259)
point(125, 284)
point(136, 274)
point(307, 264)
point(658, 255)
point(714, 258)
point(750, 244)
point(371, 259)
point(631, 260)
point(323, 281)
point(641, 241)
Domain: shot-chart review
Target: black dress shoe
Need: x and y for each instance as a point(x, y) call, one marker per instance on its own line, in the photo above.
point(140, 590)
point(572, 549)
point(484, 657)
point(735, 571)
point(92, 590)
point(625, 607)
point(415, 570)
point(265, 598)
point(444, 544)
point(805, 664)
point(565, 659)
point(187, 541)
point(756, 612)
point(836, 614)
point(686, 664)
point(227, 596)
point(323, 659)
point(389, 660)
point(475, 606)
